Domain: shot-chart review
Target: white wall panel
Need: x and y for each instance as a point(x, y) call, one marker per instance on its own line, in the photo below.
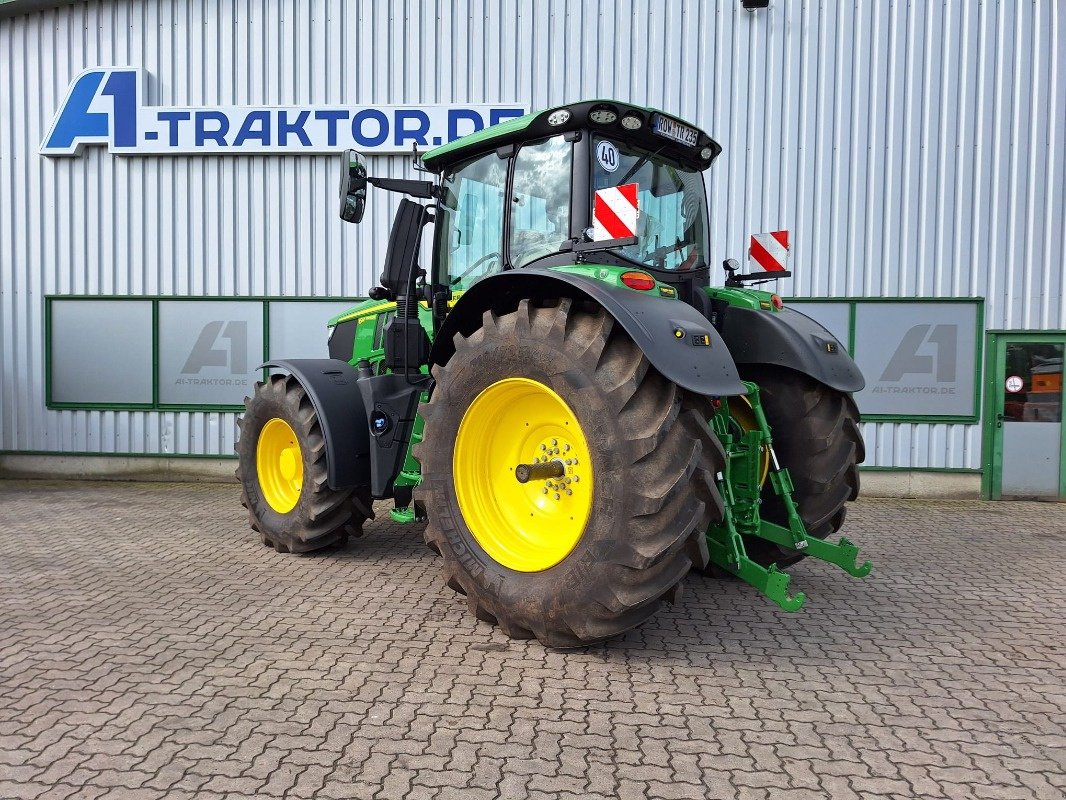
point(912, 149)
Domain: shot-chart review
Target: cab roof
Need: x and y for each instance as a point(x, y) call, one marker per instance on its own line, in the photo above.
point(588, 114)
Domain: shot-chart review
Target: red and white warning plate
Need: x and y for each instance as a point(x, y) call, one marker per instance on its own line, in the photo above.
point(769, 251)
point(614, 212)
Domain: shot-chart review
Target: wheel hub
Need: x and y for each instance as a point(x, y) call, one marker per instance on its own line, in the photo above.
point(287, 463)
point(523, 474)
point(279, 465)
point(539, 471)
point(559, 468)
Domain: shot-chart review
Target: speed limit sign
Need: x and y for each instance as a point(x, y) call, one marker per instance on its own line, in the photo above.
point(1015, 384)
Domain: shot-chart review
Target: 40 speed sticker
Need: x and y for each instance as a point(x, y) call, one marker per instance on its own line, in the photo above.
point(607, 156)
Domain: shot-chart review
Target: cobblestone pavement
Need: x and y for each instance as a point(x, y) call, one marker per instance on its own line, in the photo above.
point(150, 647)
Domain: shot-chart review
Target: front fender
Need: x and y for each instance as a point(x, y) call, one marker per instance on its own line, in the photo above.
point(696, 359)
point(331, 386)
point(790, 339)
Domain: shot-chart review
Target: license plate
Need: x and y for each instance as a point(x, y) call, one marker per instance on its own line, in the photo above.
point(672, 129)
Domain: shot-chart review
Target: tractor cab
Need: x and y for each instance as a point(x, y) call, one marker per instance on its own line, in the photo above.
point(552, 188)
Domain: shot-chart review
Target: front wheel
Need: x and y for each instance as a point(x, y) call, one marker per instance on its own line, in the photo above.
point(281, 465)
point(568, 484)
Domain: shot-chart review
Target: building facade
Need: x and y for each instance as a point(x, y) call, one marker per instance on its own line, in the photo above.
point(914, 151)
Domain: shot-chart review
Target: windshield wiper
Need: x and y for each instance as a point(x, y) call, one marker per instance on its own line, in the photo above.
point(644, 159)
point(604, 245)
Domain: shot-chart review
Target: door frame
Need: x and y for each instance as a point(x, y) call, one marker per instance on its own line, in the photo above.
point(991, 440)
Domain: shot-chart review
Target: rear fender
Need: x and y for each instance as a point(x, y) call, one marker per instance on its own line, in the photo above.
point(678, 341)
point(331, 386)
point(790, 339)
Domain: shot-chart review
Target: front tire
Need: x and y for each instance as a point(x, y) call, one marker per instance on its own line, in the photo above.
point(519, 554)
point(281, 465)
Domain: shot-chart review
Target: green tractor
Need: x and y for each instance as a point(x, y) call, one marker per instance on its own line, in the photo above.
point(577, 414)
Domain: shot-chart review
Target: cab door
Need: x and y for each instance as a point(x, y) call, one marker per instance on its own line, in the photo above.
point(1025, 448)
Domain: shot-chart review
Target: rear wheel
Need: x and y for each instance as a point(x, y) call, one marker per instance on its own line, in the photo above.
point(619, 466)
point(816, 435)
point(282, 470)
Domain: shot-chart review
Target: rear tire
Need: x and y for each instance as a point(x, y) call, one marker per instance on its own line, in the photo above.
point(816, 435)
point(319, 516)
point(653, 459)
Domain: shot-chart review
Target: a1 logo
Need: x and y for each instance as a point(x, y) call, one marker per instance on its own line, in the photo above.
point(205, 354)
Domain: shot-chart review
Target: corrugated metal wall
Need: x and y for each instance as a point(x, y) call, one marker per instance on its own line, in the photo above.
point(911, 148)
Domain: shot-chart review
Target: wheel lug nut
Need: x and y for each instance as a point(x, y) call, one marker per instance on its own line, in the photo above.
point(568, 480)
point(576, 479)
point(569, 491)
point(566, 448)
point(545, 491)
point(555, 442)
point(543, 447)
point(557, 496)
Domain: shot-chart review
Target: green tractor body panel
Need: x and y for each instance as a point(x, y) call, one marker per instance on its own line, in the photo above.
point(475, 141)
point(612, 276)
point(365, 308)
point(742, 297)
point(364, 324)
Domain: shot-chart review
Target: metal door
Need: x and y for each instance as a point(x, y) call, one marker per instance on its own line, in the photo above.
point(1027, 450)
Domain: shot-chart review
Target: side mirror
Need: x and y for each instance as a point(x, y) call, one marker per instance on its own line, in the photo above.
point(353, 187)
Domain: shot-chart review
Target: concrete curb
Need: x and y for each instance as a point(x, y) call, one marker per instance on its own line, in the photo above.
point(119, 468)
point(902, 483)
point(921, 484)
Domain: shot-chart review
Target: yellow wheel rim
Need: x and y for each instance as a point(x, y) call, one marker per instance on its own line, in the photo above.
point(744, 415)
point(527, 527)
point(280, 465)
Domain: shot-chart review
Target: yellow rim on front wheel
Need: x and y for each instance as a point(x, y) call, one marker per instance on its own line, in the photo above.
point(279, 465)
point(533, 525)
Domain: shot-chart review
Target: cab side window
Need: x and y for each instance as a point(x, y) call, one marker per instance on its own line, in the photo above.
point(540, 200)
point(471, 218)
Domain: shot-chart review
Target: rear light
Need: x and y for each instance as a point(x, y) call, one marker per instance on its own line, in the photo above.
point(640, 281)
point(777, 301)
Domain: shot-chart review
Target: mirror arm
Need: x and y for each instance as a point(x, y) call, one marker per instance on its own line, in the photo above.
point(426, 190)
